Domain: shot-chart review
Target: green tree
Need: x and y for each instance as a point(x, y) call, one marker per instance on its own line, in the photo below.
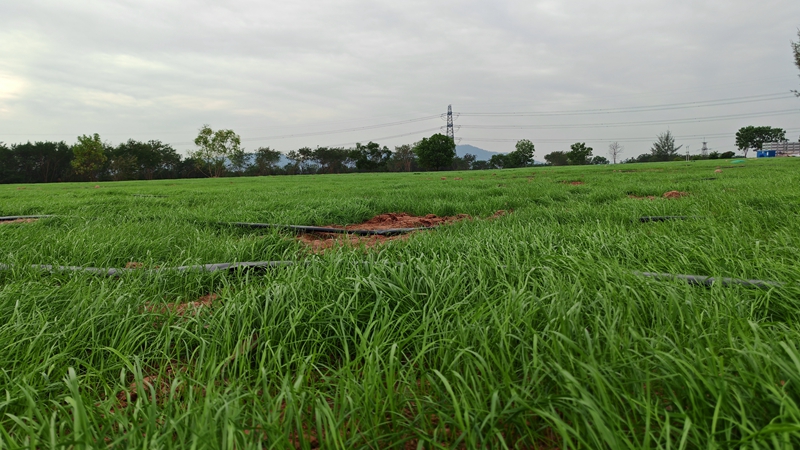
point(267, 160)
point(599, 160)
point(39, 162)
point(464, 163)
point(240, 161)
point(522, 156)
point(436, 152)
point(332, 159)
point(557, 158)
point(498, 161)
point(371, 157)
point(214, 148)
point(143, 160)
point(481, 165)
point(579, 154)
point(664, 147)
point(403, 158)
point(88, 156)
point(754, 137)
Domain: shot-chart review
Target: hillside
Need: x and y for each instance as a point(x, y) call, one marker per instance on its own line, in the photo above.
point(480, 154)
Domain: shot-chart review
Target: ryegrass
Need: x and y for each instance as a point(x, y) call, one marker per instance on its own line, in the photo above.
point(524, 331)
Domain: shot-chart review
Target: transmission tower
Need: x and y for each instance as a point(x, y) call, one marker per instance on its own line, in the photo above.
point(450, 132)
point(704, 149)
point(451, 129)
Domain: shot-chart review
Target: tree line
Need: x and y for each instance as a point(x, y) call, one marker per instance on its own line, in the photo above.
point(220, 153)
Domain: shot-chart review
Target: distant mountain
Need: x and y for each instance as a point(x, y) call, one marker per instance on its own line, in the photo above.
point(480, 154)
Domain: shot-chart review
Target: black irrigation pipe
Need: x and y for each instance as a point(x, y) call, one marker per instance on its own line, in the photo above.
point(691, 279)
point(10, 218)
point(664, 218)
point(708, 281)
point(309, 229)
point(113, 272)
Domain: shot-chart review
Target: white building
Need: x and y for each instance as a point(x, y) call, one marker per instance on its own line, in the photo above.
point(783, 148)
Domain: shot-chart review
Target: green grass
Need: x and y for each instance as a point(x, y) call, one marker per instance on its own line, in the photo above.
point(526, 331)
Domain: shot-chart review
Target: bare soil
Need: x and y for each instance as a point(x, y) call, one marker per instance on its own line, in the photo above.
point(160, 384)
point(182, 309)
point(669, 194)
point(675, 194)
point(319, 242)
point(5, 222)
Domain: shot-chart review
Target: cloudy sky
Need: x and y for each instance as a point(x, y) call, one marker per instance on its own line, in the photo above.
point(288, 74)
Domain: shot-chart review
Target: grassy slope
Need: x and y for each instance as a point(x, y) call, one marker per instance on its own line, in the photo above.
point(523, 331)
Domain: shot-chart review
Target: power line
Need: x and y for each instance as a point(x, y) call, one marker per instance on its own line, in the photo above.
point(640, 123)
point(663, 107)
point(343, 130)
point(389, 137)
point(284, 136)
point(605, 139)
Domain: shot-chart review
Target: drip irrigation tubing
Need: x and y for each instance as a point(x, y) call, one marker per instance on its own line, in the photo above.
point(113, 272)
point(708, 281)
point(10, 218)
point(664, 218)
point(310, 229)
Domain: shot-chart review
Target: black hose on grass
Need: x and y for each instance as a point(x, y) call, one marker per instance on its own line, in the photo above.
point(113, 272)
point(664, 218)
point(262, 265)
point(708, 281)
point(310, 229)
point(10, 218)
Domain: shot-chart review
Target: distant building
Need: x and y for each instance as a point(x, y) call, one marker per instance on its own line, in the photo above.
point(781, 149)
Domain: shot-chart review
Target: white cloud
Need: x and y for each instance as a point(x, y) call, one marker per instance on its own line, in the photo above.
point(160, 69)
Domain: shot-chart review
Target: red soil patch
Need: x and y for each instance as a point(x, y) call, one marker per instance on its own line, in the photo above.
point(670, 194)
point(133, 265)
point(159, 383)
point(18, 221)
point(320, 242)
point(675, 194)
point(182, 309)
point(718, 171)
point(500, 213)
point(574, 183)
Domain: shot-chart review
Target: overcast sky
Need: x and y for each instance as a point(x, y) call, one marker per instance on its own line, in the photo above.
point(159, 69)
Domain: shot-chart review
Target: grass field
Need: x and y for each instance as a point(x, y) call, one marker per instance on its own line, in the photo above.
point(529, 330)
